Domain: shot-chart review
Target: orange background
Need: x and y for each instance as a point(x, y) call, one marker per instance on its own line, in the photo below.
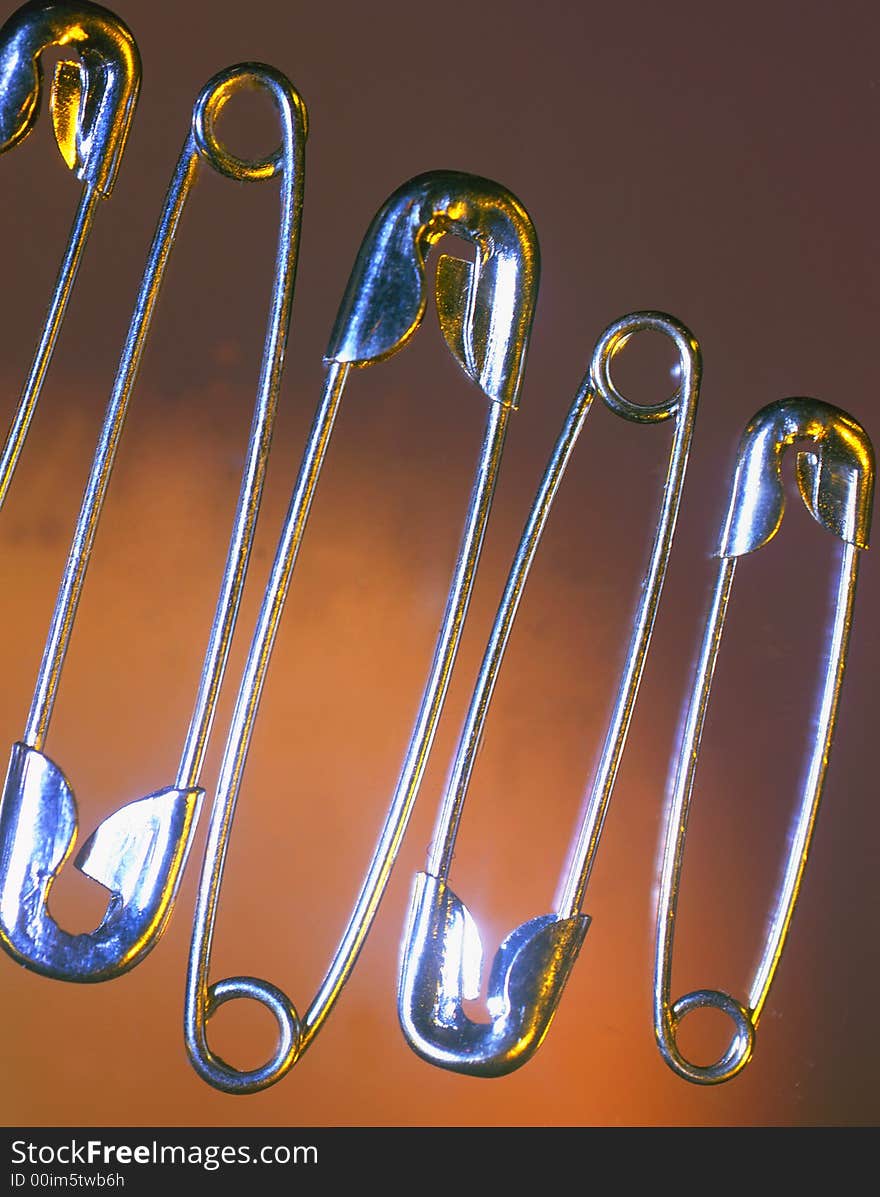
point(716, 164)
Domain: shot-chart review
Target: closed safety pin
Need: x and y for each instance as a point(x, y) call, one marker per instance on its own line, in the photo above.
point(92, 105)
point(485, 310)
point(441, 952)
point(139, 852)
point(835, 475)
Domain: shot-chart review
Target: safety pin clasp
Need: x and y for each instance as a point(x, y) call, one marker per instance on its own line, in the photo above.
point(485, 307)
point(137, 853)
point(834, 475)
point(442, 969)
point(93, 97)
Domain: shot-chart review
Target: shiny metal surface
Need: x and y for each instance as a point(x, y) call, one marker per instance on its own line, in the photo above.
point(489, 306)
point(132, 854)
point(479, 305)
point(835, 477)
point(441, 954)
point(139, 852)
point(93, 100)
point(835, 473)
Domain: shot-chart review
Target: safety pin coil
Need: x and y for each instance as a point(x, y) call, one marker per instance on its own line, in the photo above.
point(138, 853)
point(485, 311)
point(441, 952)
point(835, 477)
point(93, 100)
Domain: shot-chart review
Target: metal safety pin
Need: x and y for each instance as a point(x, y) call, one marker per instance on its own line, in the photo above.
point(835, 475)
point(92, 105)
point(139, 852)
point(441, 952)
point(485, 310)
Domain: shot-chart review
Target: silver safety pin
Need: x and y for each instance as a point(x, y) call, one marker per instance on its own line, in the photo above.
point(441, 952)
point(92, 103)
point(139, 852)
point(485, 310)
point(835, 475)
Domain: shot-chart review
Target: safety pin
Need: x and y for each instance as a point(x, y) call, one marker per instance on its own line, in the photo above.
point(835, 476)
point(441, 952)
point(485, 310)
point(139, 852)
point(92, 105)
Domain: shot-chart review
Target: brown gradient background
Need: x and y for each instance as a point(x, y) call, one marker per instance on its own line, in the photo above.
point(717, 162)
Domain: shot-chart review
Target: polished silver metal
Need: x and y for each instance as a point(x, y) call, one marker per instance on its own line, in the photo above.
point(93, 100)
point(139, 852)
point(441, 954)
point(835, 476)
point(486, 313)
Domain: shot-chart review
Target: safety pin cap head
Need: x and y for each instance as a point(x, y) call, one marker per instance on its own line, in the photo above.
point(92, 99)
point(137, 854)
point(440, 968)
point(485, 307)
point(834, 469)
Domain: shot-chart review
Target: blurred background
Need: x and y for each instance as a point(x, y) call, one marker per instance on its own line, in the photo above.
point(716, 162)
